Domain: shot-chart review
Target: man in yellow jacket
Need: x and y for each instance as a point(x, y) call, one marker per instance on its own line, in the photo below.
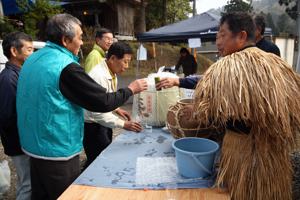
point(104, 39)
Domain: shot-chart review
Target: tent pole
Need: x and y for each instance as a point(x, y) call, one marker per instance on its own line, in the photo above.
point(137, 70)
point(154, 55)
point(194, 8)
point(195, 56)
point(137, 73)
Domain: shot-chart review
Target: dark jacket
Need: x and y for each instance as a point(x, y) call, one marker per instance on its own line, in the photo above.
point(8, 116)
point(188, 63)
point(268, 46)
point(189, 82)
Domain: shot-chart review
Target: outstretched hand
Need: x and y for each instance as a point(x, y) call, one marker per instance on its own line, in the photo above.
point(138, 86)
point(167, 83)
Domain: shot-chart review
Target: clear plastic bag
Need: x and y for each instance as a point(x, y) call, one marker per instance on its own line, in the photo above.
point(151, 106)
point(4, 177)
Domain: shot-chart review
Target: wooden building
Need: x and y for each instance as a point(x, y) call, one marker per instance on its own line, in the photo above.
point(117, 15)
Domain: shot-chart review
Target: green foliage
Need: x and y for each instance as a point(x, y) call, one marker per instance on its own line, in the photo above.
point(36, 16)
point(291, 7)
point(270, 23)
point(7, 26)
point(153, 14)
point(282, 24)
point(238, 6)
point(176, 10)
point(273, 7)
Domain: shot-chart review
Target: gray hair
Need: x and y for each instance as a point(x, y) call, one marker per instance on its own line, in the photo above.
point(61, 25)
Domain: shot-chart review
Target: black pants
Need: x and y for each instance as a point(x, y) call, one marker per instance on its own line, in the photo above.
point(96, 139)
point(49, 179)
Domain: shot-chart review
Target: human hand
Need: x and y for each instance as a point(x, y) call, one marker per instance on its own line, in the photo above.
point(138, 86)
point(123, 113)
point(133, 126)
point(167, 83)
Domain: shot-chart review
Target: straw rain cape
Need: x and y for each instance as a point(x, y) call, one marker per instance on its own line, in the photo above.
point(262, 91)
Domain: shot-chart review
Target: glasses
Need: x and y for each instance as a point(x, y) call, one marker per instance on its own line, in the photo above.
point(108, 39)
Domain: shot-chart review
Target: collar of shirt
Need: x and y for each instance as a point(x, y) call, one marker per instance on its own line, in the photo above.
point(246, 47)
point(63, 49)
point(260, 41)
point(114, 80)
point(99, 49)
point(112, 76)
point(12, 66)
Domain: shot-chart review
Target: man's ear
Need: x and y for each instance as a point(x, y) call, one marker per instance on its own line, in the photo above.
point(97, 40)
point(65, 41)
point(13, 51)
point(113, 58)
point(258, 29)
point(243, 36)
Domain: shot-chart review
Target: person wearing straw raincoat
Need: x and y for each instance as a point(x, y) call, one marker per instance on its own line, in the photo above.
point(254, 97)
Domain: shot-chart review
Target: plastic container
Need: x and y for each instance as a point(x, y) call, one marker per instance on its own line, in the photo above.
point(151, 106)
point(195, 156)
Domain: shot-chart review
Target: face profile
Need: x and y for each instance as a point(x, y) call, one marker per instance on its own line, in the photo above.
point(25, 51)
point(119, 66)
point(74, 44)
point(105, 41)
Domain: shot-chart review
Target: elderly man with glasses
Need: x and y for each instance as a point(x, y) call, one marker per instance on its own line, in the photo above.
point(104, 39)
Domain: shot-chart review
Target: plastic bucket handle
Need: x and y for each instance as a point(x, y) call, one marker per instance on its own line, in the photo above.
point(201, 165)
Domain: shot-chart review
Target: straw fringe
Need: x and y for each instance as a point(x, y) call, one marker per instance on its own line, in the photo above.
point(253, 173)
point(261, 90)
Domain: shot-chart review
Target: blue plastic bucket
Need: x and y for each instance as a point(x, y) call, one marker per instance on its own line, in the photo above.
point(195, 156)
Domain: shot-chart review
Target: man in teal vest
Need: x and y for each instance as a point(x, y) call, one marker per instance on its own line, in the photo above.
point(52, 90)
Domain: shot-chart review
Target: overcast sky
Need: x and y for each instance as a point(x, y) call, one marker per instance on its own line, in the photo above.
point(204, 5)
